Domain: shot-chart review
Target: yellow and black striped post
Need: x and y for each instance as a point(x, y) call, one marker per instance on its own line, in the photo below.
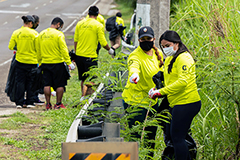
point(99, 156)
point(100, 151)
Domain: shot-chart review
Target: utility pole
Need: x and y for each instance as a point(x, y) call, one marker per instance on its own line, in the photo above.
point(153, 13)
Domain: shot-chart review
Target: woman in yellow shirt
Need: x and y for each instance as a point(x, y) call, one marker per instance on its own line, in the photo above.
point(24, 41)
point(143, 63)
point(181, 90)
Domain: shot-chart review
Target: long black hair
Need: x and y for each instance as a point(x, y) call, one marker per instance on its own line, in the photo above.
point(173, 36)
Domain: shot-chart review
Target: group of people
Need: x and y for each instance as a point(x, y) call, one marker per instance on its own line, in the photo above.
point(179, 91)
point(49, 51)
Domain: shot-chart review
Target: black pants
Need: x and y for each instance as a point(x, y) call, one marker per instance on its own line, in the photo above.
point(24, 78)
point(141, 114)
point(182, 116)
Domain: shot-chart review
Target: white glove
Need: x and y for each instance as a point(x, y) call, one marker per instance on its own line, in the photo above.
point(111, 51)
point(134, 78)
point(53, 93)
point(153, 93)
point(71, 66)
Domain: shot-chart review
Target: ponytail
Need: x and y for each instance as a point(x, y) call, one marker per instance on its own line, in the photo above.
point(158, 56)
point(25, 19)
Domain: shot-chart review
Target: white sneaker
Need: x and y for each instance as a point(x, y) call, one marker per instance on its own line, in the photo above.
point(30, 106)
point(18, 106)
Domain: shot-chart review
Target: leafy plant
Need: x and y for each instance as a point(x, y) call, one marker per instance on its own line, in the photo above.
point(212, 34)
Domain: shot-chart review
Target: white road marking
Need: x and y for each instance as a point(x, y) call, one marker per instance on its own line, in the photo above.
point(55, 15)
point(44, 4)
point(17, 17)
point(72, 17)
point(69, 26)
point(14, 12)
point(89, 6)
point(5, 62)
point(24, 5)
point(5, 23)
point(36, 8)
point(72, 14)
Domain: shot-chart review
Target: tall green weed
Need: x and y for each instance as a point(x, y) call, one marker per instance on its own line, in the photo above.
point(210, 29)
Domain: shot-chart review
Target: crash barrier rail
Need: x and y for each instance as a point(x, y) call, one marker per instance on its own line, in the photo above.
point(72, 133)
point(104, 133)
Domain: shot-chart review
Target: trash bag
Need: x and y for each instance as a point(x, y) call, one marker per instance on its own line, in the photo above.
point(38, 84)
point(168, 153)
point(129, 38)
point(72, 55)
point(120, 29)
point(67, 71)
point(157, 79)
point(10, 85)
point(110, 23)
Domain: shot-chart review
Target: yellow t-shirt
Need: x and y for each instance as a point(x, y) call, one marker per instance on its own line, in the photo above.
point(24, 39)
point(119, 21)
point(146, 67)
point(88, 33)
point(53, 47)
point(100, 19)
point(180, 84)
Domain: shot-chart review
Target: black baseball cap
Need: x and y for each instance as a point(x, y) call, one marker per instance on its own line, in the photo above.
point(145, 31)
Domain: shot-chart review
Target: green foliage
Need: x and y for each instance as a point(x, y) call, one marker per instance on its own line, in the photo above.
point(131, 3)
point(210, 29)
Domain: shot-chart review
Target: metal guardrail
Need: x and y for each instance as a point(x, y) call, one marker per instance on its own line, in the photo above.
point(72, 135)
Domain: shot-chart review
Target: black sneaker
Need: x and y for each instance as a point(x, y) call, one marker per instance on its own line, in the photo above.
point(39, 102)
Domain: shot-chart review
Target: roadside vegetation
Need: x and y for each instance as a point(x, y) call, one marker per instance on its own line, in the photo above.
point(210, 29)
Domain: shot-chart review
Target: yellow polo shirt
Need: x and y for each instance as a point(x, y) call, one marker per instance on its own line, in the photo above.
point(180, 84)
point(146, 67)
point(24, 39)
point(88, 33)
point(100, 19)
point(53, 47)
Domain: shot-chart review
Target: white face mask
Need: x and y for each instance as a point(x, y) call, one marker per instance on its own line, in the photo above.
point(169, 51)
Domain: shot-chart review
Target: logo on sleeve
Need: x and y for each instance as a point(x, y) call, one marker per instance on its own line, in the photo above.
point(184, 67)
point(130, 62)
